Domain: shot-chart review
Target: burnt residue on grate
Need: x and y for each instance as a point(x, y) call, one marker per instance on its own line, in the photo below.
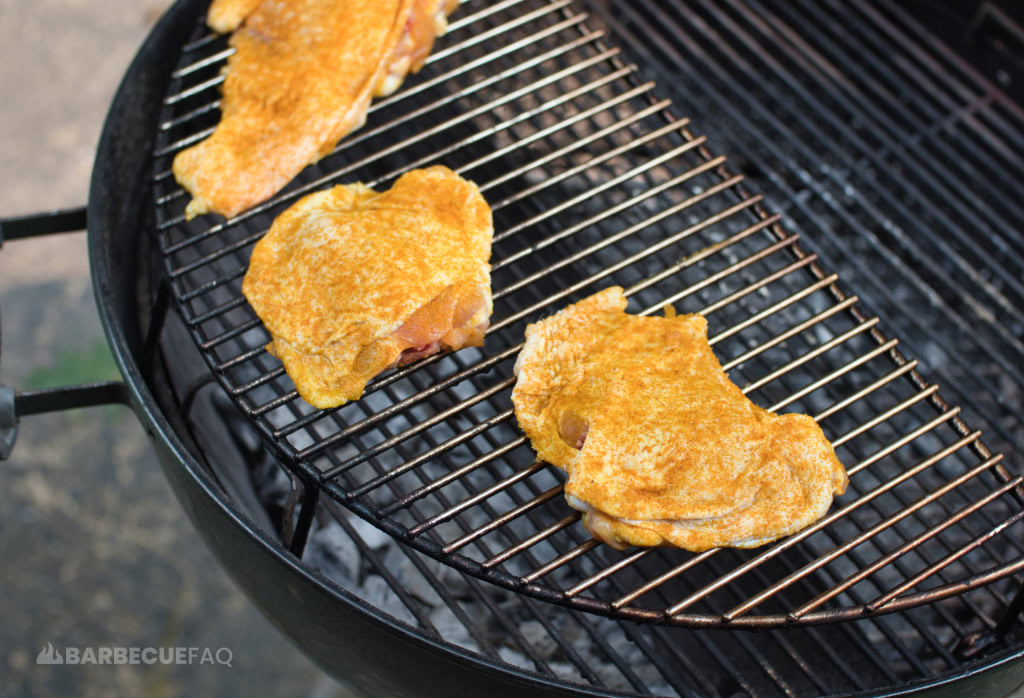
point(595, 180)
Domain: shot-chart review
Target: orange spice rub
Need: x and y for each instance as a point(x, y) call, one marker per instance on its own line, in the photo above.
point(301, 79)
point(660, 446)
point(351, 281)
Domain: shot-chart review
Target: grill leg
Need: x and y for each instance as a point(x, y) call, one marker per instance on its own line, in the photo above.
point(980, 642)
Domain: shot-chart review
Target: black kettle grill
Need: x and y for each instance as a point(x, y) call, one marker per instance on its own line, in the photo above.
point(409, 543)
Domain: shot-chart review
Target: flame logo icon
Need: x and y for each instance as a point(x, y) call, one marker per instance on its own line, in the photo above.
point(48, 655)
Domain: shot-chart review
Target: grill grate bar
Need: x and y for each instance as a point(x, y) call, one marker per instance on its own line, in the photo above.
point(204, 62)
point(181, 144)
point(453, 476)
point(838, 514)
point(561, 126)
point(608, 571)
point(759, 256)
point(658, 581)
point(642, 140)
point(234, 332)
point(502, 520)
point(475, 499)
point(588, 251)
point(967, 268)
point(804, 358)
point(791, 332)
point(531, 541)
point(738, 99)
point(207, 287)
point(563, 559)
point(576, 145)
point(179, 121)
point(769, 311)
point(886, 598)
point(880, 526)
point(883, 417)
point(192, 91)
point(877, 528)
point(199, 43)
point(856, 363)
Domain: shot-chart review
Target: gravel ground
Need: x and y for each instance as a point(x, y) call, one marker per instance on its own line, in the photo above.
point(96, 550)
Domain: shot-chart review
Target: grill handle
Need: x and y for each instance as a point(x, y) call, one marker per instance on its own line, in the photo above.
point(15, 404)
point(64, 220)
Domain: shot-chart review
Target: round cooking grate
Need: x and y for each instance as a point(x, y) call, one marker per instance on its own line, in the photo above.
point(594, 182)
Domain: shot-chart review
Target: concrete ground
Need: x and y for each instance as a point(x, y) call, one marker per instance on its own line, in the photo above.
point(96, 551)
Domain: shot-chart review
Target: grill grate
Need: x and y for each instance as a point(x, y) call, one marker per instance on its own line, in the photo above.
point(594, 182)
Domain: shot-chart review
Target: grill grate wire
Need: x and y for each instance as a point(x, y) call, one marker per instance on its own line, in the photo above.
point(584, 165)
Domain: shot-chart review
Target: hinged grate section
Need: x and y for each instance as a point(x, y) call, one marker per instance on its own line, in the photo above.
point(594, 182)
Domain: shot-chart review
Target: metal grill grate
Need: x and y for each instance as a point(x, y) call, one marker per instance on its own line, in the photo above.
point(594, 182)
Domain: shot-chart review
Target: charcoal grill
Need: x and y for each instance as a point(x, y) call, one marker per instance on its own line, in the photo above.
point(561, 112)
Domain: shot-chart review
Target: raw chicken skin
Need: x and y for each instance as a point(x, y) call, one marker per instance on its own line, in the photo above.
point(301, 79)
point(660, 446)
point(350, 281)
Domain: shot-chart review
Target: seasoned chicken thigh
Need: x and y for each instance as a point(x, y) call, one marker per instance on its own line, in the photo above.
point(351, 281)
point(301, 79)
point(661, 448)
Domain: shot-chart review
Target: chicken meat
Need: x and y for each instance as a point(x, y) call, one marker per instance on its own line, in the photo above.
point(660, 447)
point(301, 79)
point(351, 281)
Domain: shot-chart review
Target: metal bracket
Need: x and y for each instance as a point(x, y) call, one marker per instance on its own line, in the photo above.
point(295, 529)
point(976, 644)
